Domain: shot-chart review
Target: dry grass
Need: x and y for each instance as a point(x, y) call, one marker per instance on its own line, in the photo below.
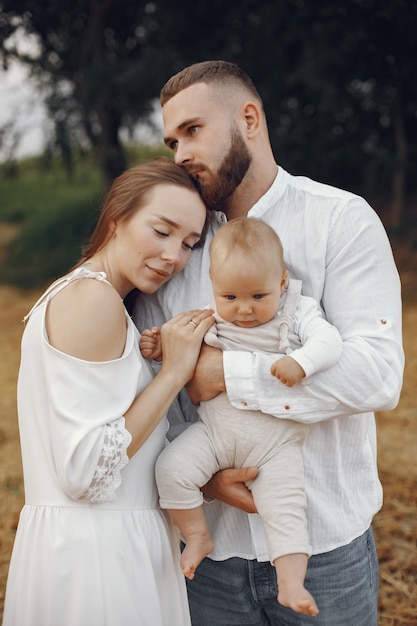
point(395, 526)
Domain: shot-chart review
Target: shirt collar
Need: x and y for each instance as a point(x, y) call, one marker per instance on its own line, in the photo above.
point(271, 197)
point(274, 193)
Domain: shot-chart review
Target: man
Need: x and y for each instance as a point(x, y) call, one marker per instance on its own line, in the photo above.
point(335, 243)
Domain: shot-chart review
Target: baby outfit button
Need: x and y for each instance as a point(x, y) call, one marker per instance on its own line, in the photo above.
point(243, 403)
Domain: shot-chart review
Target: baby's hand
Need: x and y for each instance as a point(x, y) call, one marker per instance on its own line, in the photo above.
point(150, 344)
point(288, 371)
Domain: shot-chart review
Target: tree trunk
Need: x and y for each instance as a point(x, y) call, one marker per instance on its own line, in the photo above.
point(106, 140)
point(110, 151)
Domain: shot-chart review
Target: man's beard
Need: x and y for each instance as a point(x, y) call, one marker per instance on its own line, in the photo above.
point(229, 175)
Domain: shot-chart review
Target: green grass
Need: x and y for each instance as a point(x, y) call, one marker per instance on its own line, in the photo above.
point(23, 198)
point(56, 215)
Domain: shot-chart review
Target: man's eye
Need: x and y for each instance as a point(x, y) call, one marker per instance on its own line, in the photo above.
point(192, 130)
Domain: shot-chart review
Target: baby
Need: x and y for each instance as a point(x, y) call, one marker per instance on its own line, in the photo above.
point(257, 309)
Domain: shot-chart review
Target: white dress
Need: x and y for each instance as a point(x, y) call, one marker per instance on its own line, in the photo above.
point(92, 547)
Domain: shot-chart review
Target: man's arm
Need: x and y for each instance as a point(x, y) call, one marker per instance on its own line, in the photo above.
point(208, 379)
point(229, 486)
point(357, 284)
point(359, 290)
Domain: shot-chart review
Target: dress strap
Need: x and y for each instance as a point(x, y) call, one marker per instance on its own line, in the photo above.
point(58, 285)
point(293, 292)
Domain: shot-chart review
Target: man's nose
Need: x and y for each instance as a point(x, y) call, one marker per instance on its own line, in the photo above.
point(182, 154)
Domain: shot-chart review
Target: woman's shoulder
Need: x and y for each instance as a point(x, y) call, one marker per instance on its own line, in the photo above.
point(87, 320)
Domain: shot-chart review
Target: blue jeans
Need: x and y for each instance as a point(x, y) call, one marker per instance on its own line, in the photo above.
point(236, 592)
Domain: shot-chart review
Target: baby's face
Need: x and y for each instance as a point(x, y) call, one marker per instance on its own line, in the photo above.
point(246, 296)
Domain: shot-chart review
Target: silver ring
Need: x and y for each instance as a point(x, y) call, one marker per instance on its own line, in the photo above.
point(193, 323)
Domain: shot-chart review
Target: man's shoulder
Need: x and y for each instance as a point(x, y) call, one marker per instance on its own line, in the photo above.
point(320, 189)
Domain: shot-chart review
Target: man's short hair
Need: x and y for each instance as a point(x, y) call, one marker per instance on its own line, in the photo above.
point(220, 72)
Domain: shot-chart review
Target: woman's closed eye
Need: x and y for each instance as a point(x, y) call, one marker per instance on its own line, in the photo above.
point(188, 247)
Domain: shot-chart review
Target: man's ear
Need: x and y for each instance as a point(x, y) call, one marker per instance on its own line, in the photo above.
point(251, 115)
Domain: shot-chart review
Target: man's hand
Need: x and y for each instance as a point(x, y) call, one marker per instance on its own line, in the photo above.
point(229, 486)
point(208, 380)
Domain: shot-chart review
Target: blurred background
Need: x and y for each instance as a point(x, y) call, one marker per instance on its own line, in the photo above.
point(79, 89)
point(79, 86)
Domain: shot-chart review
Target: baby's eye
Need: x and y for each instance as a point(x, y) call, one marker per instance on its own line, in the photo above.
point(230, 297)
point(187, 246)
point(161, 233)
point(258, 296)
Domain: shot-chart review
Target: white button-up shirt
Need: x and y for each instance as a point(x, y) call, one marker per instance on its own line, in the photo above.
point(335, 243)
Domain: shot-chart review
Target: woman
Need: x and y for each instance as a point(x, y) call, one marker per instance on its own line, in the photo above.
point(92, 547)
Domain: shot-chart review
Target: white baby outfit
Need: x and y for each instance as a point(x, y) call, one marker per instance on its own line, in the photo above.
point(227, 437)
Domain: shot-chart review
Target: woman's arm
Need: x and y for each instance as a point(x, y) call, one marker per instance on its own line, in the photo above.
point(92, 423)
point(181, 343)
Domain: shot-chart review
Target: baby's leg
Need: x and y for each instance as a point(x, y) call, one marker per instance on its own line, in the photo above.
point(278, 492)
point(291, 570)
point(182, 468)
point(198, 541)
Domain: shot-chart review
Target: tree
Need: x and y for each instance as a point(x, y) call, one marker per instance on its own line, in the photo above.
point(100, 60)
point(337, 79)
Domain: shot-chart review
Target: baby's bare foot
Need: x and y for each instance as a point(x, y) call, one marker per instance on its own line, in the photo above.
point(299, 600)
point(196, 549)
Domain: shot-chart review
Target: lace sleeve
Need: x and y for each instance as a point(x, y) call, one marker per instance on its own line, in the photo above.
point(113, 458)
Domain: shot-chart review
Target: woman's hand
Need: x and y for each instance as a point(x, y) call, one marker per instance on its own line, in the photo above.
point(181, 342)
point(181, 339)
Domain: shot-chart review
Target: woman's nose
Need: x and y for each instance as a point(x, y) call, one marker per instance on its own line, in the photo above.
point(172, 252)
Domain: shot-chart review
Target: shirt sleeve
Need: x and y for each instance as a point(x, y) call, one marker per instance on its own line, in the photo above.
point(361, 297)
point(321, 342)
point(112, 459)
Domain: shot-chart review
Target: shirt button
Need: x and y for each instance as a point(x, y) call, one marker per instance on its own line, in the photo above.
point(383, 321)
point(243, 403)
point(287, 407)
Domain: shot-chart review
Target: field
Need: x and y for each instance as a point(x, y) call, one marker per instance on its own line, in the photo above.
point(395, 525)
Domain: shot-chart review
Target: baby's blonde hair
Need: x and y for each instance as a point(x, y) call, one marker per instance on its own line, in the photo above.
point(250, 238)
